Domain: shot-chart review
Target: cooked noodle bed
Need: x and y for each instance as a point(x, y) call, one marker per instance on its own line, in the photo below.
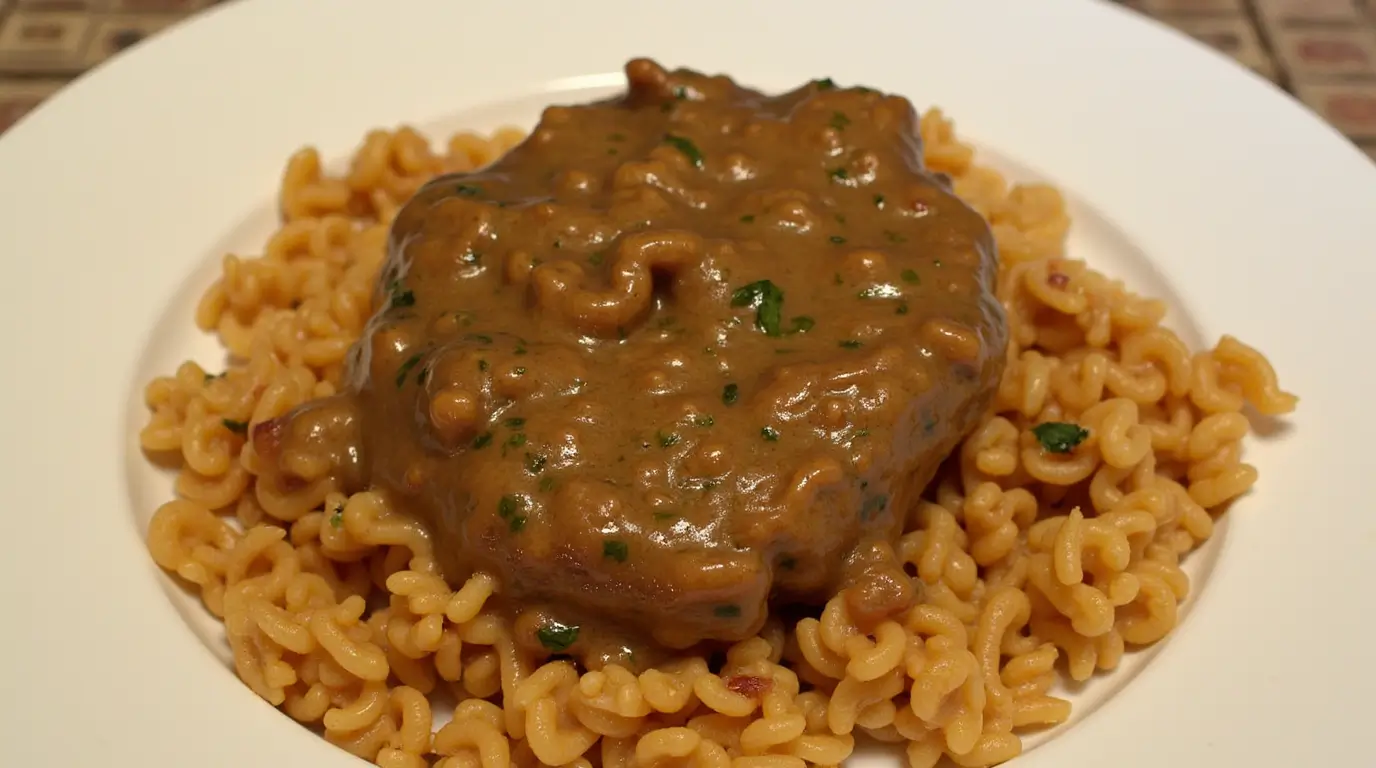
point(1035, 564)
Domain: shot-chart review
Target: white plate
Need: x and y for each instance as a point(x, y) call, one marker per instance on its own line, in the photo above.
point(1189, 176)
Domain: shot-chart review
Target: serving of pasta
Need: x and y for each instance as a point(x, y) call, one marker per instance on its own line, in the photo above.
point(1048, 546)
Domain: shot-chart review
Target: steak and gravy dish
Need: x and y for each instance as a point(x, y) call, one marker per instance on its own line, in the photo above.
point(699, 427)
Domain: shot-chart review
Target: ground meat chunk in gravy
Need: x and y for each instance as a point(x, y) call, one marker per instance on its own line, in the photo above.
point(678, 356)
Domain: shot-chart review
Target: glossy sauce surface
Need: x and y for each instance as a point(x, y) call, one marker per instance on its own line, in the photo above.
point(679, 356)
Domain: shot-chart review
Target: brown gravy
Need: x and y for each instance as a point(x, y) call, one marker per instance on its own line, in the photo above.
point(679, 355)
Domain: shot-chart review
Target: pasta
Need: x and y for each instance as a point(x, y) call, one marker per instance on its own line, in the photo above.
point(1034, 564)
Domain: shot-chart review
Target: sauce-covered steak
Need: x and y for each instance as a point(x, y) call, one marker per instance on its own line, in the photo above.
point(678, 354)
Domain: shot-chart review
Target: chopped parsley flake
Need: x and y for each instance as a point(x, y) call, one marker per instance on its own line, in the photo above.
point(704, 420)
point(837, 239)
point(1059, 437)
point(508, 506)
point(852, 344)
point(839, 174)
point(802, 324)
point(902, 308)
point(402, 298)
point(515, 422)
point(237, 427)
point(747, 218)
point(770, 434)
point(839, 121)
point(468, 190)
point(557, 637)
point(482, 441)
point(535, 463)
point(687, 147)
point(727, 611)
point(730, 394)
point(481, 338)
point(667, 439)
point(767, 301)
point(910, 276)
point(337, 517)
point(825, 84)
point(517, 440)
point(615, 549)
point(405, 369)
point(482, 365)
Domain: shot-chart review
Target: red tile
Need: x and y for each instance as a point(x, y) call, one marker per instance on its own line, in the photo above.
point(1320, 52)
point(1350, 107)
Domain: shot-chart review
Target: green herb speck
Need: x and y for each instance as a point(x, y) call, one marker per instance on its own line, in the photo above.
point(747, 218)
point(515, 422)
point(837, 239)
point(727, 611)
point(825, 84)
point(237, 427)
point(535, 463)
point(615, 549)
point(770, 434)
point(839, 174)
point(839, 121)
point(902, 308)
point(704, 420)
point(337, 517)
point(405, 369)
point(557, 637)
point(766, 299)
point(400, 297)
point(730, 394)
point(852, 344)
point(667, 439)
point(687, 147)
point(910, 276)
point(482, 441)
point(468, 190)
point(879, 202)
point(1059, 437)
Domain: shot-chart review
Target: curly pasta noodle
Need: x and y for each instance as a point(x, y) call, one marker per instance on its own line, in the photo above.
point(1034, 564)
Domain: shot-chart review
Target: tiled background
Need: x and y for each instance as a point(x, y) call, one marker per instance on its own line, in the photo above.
point(1323, 51)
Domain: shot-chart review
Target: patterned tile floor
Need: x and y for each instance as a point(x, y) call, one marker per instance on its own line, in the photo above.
point(1322, 51)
